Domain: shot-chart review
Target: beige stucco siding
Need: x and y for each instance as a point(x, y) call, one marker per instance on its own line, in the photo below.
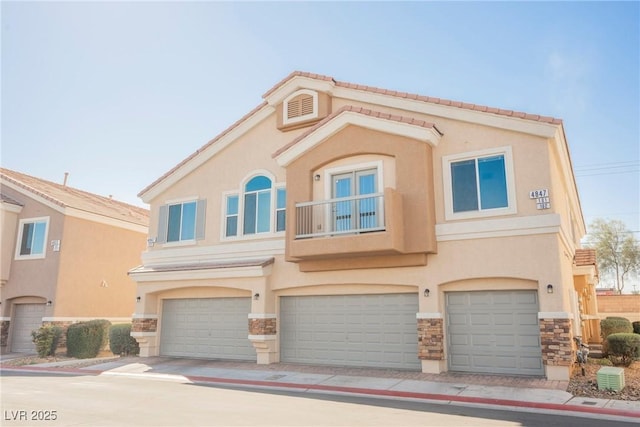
point(37, 277)
point(93, 269)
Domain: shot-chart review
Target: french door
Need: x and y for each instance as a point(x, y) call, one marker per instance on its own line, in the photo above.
point(352, 209)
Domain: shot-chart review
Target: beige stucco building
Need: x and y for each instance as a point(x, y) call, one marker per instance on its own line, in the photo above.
point(65, 257)
point(341, 224)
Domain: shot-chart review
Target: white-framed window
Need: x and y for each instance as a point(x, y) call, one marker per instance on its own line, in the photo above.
point(259, 209)
point(349, 188)
point(299, 106)
point(479, 184)
point(181, 221)
point(32, 238)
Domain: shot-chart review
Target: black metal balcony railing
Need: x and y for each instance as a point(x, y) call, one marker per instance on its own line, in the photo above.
point(344, 215)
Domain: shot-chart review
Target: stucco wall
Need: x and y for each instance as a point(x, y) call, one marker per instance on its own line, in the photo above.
point(619, 305)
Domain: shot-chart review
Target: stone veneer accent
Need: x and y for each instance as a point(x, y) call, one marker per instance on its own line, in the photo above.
point(557, 346)
point(262, 326)
point(430, 339)
point(4, 333)
point(144, 325)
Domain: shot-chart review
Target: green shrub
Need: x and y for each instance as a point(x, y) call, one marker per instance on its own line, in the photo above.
point(121, 342)
point(636, 327)
point(86, 339)
point(623, 348)
point(46, 339)
point(613, 325)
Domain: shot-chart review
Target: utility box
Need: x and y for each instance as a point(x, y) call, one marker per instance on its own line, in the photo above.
point(610, 378)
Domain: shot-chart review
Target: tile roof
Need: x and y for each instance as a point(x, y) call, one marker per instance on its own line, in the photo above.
point(412, 96)
point(204, 147)
point(65, 196)
point(358, 110)
point(585, 257)
point(226, 263)
point(6, 199)
point(371, 89)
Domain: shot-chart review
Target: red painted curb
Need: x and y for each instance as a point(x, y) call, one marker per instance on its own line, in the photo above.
point(365, 391)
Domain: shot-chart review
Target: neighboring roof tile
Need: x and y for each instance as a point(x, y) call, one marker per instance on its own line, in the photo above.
point(65, 196)
point(428, 99)
point(358, 110)
point(6, 199)
point(585, 257)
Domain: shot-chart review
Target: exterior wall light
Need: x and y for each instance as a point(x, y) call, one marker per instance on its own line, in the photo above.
point(427, 292)
point(549, 288)
point(49, 303)
point(138, 299)
point(316, 177)
point(256, 296)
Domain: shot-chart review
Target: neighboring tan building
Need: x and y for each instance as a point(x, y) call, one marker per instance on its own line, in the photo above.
point(340, 224)
point(65, 257)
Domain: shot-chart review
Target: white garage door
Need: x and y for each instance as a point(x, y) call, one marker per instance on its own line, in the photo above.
point(26, 318)
point(494, 332)
point(354, 330)
point(211, 328)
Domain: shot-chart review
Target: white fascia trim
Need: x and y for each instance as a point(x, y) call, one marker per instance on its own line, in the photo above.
point(555, 315)
point(213, 273)
point(332, 127)
point(208, 153)
point(262, 316)
point(297, 83)
point(2, 319)
point(480, 229)
point(545, 130)
point(223, 251)
point(10, 207)
point(262, 337)
point(78, 213)
point(86, 319)
point(429, 316)
point(143, 334)
point(145, 316)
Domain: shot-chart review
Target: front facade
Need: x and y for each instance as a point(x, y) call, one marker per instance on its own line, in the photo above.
point(65, 257)
point(340, 224)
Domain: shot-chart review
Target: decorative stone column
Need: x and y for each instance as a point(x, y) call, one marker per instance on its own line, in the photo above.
point(144, 328)
point(557, 345)
point(262, 334)
point(431, 342)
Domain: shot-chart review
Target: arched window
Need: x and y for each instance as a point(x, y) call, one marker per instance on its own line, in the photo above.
point(257, 209)
point(257, 205)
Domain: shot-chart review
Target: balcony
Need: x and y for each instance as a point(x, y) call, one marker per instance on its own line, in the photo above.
point(362, 225)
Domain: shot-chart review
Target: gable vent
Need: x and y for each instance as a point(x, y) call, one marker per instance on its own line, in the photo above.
point(300, 106)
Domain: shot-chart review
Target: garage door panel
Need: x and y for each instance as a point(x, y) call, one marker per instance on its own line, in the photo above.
point(351, 330)
point(494, 332)
point(26, 318)
point(206, 328)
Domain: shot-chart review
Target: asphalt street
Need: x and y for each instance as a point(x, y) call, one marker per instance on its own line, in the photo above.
point(46, 399)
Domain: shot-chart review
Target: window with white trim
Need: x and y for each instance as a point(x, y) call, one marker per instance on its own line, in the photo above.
point(181, 221)
point(299, 106)
point(32, 238)
point(259, 209)
point(479, 184)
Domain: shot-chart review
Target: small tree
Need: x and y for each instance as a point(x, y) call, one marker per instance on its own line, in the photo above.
point(617, 248)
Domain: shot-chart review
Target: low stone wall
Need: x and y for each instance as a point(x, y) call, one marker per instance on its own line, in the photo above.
point(627, 306)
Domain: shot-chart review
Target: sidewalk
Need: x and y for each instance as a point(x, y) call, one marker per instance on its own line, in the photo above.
point(505, 392)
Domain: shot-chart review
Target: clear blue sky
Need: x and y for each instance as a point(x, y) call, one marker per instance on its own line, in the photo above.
point(118, 93)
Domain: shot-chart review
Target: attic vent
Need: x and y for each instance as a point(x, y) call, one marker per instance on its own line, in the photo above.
point(301, 105)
